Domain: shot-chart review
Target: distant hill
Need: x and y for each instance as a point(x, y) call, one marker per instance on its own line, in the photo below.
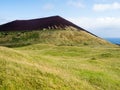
point(51, 30)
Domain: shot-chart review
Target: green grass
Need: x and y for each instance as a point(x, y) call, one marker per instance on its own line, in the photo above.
point(51, 67)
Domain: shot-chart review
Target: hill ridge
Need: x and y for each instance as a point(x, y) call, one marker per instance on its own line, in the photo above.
point(52, 22)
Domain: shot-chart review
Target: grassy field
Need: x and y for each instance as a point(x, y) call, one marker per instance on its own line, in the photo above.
point(53, 65)
point(50, 67)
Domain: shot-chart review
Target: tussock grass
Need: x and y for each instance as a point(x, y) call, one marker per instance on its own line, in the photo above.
point(51, 67)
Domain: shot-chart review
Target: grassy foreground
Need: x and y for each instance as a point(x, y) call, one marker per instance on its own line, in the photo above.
point(51, 67)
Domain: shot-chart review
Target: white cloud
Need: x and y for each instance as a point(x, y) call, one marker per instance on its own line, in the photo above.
point(104, 7)
point(96, 22)
point(102, 26)
point(76, 4)
point(48, 6)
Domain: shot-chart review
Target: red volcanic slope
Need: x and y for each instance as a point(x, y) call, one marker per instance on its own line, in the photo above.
point(37, 24)
point(53, 22)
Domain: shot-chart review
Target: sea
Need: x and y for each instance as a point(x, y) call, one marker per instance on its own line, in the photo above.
point(113, 40)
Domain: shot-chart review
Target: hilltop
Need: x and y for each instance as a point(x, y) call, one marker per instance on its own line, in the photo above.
point(53, 22)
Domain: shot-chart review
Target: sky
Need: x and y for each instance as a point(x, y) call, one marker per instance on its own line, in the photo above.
point(101, 17)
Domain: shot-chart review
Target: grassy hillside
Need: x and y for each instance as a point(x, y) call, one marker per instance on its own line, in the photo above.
point(69, 37)
point(51, 67)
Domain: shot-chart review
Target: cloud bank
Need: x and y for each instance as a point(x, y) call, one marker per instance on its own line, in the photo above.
point(104, 7)
point(102, 26)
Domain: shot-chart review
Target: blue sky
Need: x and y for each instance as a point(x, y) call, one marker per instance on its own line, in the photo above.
point(101, 17)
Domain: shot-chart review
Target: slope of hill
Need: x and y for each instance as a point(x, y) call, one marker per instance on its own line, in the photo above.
point(70, 36)
point(50, 67)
